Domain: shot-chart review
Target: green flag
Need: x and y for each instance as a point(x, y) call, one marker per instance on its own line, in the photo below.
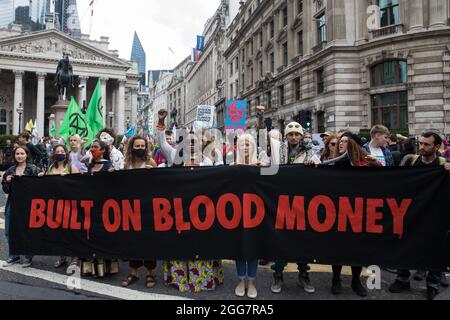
point(75, 123)
point(94, 115)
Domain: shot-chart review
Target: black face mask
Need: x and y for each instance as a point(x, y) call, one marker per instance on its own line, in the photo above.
point(139, 153)
point(60, 157)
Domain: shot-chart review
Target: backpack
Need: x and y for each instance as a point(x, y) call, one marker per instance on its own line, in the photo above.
point(442, 161)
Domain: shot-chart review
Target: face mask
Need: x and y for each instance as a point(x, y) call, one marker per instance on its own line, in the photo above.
point(139, 153)
point(97, 154)
point(60, 157)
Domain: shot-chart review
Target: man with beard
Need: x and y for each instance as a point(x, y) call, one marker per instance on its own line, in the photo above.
point(429, 144)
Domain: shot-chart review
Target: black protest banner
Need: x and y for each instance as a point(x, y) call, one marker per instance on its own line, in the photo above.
point(393, 217)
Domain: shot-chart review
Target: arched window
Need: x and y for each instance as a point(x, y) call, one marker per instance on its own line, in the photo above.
point(389, 72)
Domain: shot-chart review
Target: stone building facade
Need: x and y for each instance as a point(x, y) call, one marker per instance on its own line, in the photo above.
point(205, 81)
point(176, 98)
point(343, 63)
point(28, 64)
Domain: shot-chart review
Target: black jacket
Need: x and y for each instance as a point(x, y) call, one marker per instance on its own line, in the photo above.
point(30, 170)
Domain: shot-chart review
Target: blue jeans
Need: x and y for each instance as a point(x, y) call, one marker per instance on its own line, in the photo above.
point(247, 270)
point(433, 278)
point(7, 223)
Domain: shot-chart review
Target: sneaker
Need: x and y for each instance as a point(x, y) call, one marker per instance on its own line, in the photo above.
point(27, 263)
point(444, 281)
point(277, 284)
point(305, 283)
point(240, 289)
point(420, 275)
point(399, 286)
point(252, 293)
point(358, 288)
point(11, 261)
point(336, 287)
point(432, 293)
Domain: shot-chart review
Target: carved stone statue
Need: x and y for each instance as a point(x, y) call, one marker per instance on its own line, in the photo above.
point(64, 77)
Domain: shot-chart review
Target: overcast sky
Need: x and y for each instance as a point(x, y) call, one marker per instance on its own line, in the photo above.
point(159, 23)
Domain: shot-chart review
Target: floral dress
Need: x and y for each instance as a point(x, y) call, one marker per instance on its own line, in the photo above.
point(193, 276)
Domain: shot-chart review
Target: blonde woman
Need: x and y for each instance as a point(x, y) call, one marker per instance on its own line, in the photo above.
point(247, 155)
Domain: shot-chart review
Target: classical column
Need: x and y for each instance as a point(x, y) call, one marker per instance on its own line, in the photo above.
point(103, 82)
point(438, 13)
point(40, 104)
point(134, 105)
point(18, 100)
point(120, 116)
point(361, 18)
point(82, 93)
point(416, 15)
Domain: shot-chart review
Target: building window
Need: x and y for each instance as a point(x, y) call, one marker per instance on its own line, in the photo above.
point(251, 47)
point(258, 101)
point(300, 43)
point(297, 89)
point(261, 39)
point(389, 10)
point(231, 91)
point(261, 70)
point(389, 72)
point(285, 54)
point(251, 76)
point(243, 81)
point(281, 94)
point(272, 29)
point(272, 62)
point(269, 99)
point(391, 110)
point(237, 64)
point(299, 6)
point(320, 81)
point(285, 17)
point(231, 69)
point(322, 28)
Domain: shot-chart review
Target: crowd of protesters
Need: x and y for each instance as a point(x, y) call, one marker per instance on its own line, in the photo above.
point(294, 146)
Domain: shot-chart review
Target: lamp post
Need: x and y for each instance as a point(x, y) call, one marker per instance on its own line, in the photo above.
point(20, 112)
point(111, 116)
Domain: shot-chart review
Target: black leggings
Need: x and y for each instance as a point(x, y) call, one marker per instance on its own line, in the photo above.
point(356, 272)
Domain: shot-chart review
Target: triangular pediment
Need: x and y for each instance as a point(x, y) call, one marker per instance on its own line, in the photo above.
point(51, 44)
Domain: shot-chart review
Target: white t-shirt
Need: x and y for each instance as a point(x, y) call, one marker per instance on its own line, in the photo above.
point(378, 153)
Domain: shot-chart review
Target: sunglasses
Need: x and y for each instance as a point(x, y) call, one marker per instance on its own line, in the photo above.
point(291, 126)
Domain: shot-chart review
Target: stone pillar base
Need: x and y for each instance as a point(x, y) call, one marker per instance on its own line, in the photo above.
point(59, 110)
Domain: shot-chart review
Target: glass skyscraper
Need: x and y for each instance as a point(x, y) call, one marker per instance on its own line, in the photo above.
point(6, 12)
point(28, 13)
point(31, 15)
point(138, 54)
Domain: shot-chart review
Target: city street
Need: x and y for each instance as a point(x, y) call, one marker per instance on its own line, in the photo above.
point(42, 281)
